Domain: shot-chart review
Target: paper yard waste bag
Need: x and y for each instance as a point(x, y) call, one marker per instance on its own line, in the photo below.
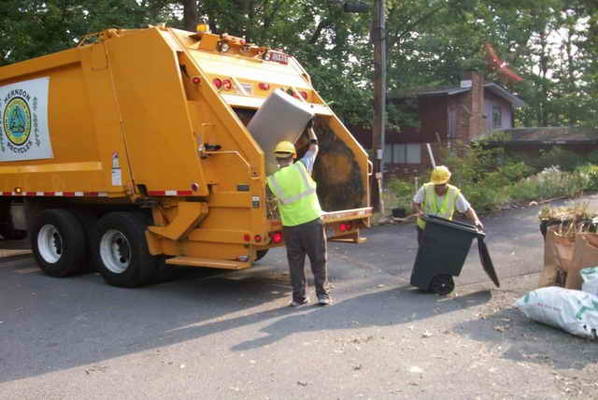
point(281, 117)
point(563, 248)
point(585, 254)
point(573, 311)
point(553, 273)
point(589, 276)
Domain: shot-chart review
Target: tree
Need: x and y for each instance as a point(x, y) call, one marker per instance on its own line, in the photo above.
point(551, 43)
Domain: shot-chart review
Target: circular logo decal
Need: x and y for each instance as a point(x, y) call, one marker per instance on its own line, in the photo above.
point(17, 121)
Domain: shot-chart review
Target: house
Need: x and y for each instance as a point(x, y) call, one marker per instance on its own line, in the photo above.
point(531, 142)
point(447, 116)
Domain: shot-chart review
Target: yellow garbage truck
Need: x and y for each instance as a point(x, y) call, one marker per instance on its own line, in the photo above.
point(131, 153)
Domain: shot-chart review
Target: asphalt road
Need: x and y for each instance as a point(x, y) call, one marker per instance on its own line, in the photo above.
point(222, 335)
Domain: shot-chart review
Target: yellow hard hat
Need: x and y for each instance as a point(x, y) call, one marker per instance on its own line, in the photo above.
point(440, 175)
point(284, 149)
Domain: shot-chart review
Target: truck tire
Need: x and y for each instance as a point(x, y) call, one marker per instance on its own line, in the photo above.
point(121, 252)
point(89, 222)
point(7, 229)
point(13, 234)
point(58, 243)
point(260, 254)
point(165, 272)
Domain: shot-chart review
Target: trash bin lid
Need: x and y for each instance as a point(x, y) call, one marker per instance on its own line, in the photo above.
point(462, 226)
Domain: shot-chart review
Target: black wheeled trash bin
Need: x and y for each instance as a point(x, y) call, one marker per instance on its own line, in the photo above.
point(443, 252)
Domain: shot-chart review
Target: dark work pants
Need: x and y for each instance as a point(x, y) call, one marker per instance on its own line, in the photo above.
point(310, 239)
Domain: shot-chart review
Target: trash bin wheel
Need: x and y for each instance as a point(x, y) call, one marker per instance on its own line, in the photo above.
point(442, 284)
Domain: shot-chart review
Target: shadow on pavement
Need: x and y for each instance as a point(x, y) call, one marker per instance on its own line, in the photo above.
point(528, 341)
point(55, 324)
point(382, 308)
point(50, 324)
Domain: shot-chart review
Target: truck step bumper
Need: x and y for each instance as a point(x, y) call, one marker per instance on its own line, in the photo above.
point(207, 263)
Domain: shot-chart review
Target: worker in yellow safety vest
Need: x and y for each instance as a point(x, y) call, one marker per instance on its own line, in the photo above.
point(300, 212)
point(439, 198)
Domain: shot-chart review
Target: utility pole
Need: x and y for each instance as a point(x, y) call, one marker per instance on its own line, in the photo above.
point(378, 36)
point(379, 117)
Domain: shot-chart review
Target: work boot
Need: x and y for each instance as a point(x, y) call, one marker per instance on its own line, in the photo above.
point(296, 303)
point(324, 300)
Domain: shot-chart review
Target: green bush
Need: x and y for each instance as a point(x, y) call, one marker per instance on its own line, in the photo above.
point(515, 171)
point(591, 172)
point(489, 181)
point(592, 158)
point(485, 197)
point(402, 193)
point(550, 182)
point(564, 159)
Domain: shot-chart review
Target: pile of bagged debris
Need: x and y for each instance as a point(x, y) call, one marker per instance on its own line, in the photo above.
point(568, 293)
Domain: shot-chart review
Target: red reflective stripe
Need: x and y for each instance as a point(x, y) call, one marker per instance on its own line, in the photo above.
point(96, 194)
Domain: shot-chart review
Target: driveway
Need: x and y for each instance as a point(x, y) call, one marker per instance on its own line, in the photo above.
point(229, 335)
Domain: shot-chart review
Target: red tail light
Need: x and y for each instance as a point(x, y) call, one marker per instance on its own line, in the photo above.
point(257, 238)
point(264, 86)
point(196, 80)
point(303, 94)
point(247, 237)
point(276, 237)
point(344, 227)
point(227, 84)
point(217, 82)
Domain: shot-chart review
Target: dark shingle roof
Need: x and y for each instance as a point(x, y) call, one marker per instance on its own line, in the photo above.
point(491, 87)
point(544, 135)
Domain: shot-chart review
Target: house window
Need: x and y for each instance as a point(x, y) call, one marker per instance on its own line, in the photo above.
point(387, 154)
point(409, 153)
point(496, 116)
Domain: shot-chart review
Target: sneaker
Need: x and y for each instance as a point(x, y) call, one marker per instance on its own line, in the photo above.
point(324, 300)
point(295, 303)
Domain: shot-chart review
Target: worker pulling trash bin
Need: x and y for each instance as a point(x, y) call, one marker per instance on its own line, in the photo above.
point(445, 245)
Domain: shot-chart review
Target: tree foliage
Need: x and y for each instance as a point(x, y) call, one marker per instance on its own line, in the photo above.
point(551, 43)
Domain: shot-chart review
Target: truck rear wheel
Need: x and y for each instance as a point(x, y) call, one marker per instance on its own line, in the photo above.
point(261, 254)
point(121, 252)
point(58, 243)
point(7, 229)
point(89, 222)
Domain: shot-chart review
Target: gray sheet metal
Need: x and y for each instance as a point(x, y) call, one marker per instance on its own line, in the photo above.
point(281, 117)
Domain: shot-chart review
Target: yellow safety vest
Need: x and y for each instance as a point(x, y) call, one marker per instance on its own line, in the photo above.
point(295, 191)
point(440, 206)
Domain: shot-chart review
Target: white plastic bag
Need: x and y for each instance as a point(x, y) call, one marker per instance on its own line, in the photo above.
point(573, 311)
point(590, 280)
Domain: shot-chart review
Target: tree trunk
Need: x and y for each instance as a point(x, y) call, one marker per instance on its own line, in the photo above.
point(190, 18)
point(543, 72)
